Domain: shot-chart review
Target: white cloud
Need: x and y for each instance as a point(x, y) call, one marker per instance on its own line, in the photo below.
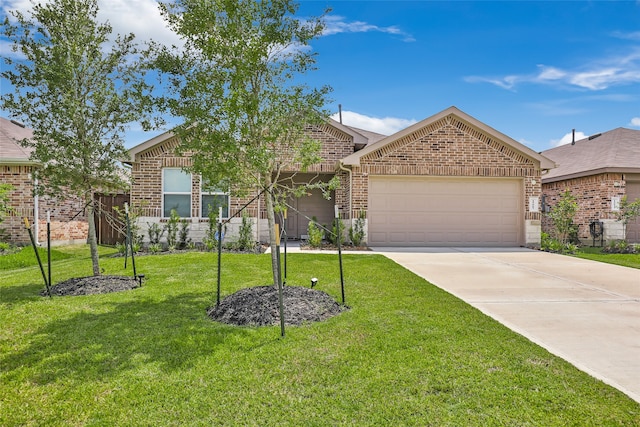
point(384, 126)
point(635, 122)
point(337, 24)
point(596, 75)
point(140, 17)
point(567, 139)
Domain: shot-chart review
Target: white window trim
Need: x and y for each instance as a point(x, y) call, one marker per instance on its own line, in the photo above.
point(177, 193)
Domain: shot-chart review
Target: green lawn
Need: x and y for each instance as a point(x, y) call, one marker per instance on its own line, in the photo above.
point(405, 354)
point(596, 254)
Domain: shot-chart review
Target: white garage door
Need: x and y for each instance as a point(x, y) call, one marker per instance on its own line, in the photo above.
point(423, 211)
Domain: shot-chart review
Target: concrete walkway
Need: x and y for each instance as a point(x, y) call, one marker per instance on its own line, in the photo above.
point(585, 312)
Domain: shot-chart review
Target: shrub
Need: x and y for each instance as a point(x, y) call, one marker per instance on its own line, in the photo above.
point(183, 237)
point(210, 241)
point(245, 235)
point(154, 248)
point(315, 233)
point(562, 215)
point(620, 247)
point(172, 229)
point(337, 229)
point(356, 231)
point(155, 233)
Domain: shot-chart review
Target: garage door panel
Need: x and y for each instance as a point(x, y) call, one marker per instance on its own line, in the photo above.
point(418, 211)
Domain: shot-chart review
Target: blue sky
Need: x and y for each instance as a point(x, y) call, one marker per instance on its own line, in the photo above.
point(532, 70)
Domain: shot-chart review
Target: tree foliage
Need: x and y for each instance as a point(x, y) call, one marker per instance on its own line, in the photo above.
point(628, 212)
point(562, 215)
point(235, 85)
point(78, 90)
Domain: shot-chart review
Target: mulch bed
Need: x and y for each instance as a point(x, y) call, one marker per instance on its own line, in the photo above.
point(93, 285)
point(259, 306)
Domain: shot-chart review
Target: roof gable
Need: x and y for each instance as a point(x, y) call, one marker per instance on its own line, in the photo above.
point(331, 127)
point(451, 116)
point(11, 133)
point(617, 150)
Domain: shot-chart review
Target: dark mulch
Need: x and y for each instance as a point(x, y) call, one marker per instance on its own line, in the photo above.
point(93, 285)
point(259, 306)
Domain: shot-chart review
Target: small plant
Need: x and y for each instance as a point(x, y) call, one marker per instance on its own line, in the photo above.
point(562, 215)
point(210, 240)
point(620, 247)
point(356, 231)
point(172, 229)
point(550, 244)
point(245, 234)
point(315, 233)
point(134, 228)
point(155, 233)
point(183, 236)
point(337, 229)
point(155, 248)
point(121, 247)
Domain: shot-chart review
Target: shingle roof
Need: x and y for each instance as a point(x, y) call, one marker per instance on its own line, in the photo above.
point(617, 150)
point(11, 133)
point(372, 137)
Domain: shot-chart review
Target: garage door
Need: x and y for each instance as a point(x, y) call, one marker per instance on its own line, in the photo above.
point(423, 211)
point(633, 226)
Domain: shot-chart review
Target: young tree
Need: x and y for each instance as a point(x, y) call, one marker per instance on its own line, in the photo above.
point(628, 212)
point(77, 90)
point(234, 84)
point(562, 215)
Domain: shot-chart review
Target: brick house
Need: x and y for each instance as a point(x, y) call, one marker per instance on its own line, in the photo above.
point(449, 180)
point(68, 220)
point(599, 171)
point(160, 184)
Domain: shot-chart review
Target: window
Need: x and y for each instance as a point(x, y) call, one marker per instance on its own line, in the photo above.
point(212, 199)
point(176, 192)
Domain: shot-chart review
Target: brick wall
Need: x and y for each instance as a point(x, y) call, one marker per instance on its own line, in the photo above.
point(593, 194)
point(68, 219)
point(447, 147)
point(146, 191)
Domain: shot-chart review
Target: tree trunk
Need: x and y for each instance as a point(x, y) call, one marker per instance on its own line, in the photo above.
point(271, 218)
point(93, 242)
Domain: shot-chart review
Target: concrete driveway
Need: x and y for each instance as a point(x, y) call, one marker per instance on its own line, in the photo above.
point(586, 312)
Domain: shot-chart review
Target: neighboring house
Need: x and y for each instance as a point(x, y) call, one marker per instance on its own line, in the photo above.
point(449, 180)
point(68, 220)
point(599, 171)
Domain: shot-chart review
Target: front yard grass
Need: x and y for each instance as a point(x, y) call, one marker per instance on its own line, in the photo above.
point(596, 254)
point(406, 353)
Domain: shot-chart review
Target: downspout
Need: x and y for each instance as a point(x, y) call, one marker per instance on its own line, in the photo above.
point(341, 166)
point(258, 218)
point(35, 210)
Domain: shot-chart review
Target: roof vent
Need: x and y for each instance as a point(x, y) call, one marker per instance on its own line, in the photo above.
point(17, 123)
point(594, 136)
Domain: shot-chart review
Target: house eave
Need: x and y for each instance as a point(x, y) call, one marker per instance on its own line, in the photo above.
point(591, 172)
point(8, 161)
point(147, 145)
